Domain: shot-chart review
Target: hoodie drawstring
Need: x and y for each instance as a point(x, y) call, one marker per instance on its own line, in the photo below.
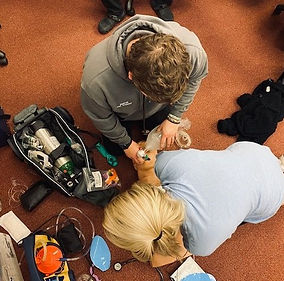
point(144, 132)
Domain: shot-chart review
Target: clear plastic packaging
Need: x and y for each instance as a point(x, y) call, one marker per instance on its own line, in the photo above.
point(153, 140)
point(102, 179)
point(182, 140)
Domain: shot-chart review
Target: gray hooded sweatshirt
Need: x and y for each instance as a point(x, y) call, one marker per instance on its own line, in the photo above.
point(108, 96)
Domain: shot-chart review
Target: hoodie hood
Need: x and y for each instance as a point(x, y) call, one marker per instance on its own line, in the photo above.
point(138, 24)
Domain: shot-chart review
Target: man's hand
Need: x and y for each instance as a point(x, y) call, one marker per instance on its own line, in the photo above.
point(131, 152)
point(169, 132)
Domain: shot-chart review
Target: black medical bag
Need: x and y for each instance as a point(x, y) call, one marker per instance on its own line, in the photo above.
point(4, 128)
point(48, 140)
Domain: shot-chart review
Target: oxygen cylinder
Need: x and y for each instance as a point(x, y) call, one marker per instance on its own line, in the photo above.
point(50, 143)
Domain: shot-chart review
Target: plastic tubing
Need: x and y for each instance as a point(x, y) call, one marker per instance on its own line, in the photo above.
point(91, 223)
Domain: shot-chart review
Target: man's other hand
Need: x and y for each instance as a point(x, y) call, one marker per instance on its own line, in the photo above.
point(169, 132)
point(131, 152)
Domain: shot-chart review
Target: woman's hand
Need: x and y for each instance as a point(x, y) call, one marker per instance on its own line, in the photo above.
point(169, 132)
point(131, 152)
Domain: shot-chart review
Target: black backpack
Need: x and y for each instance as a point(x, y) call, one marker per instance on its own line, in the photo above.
point(67, 168)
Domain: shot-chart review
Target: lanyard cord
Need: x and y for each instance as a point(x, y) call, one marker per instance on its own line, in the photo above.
point(145, 132)
point(144, 121)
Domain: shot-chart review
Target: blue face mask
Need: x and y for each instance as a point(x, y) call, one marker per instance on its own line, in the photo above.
point(199, 277)
point(100, 253)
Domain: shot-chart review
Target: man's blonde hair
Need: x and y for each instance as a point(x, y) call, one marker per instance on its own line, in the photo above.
point(138, 216)
point(160, 67)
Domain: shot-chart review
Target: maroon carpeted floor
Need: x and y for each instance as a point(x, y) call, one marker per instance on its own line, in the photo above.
point(46, 42)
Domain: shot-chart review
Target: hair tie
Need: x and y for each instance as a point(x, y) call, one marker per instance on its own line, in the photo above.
point(159, 237)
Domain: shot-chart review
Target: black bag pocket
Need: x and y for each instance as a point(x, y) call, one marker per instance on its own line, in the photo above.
point(34, 195)
point(69, 240)
point(4, 129)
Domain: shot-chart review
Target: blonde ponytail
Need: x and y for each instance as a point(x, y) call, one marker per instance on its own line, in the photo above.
point(144, 220)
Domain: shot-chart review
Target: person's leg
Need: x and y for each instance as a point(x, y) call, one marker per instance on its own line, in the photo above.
point(156, 119)
point(115, 14)
point(114, 148)
point(161, 2)
point(162, 9)
point(114, 7)
point(150, 123)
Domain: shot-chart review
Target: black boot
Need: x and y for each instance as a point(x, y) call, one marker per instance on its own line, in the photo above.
point(164, 12)
point(278, 10)
point(281, 79)
point(129, 8)
point(109, 22)
point(3, 59)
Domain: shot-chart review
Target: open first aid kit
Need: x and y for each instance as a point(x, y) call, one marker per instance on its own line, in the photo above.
point(48, 140)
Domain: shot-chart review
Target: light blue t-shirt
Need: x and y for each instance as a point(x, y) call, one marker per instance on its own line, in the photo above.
point(221, 189)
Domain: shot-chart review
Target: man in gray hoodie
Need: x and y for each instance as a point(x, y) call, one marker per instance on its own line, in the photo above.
point(149, 70)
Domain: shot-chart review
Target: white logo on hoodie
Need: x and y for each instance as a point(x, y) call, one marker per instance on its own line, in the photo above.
point(126, 103)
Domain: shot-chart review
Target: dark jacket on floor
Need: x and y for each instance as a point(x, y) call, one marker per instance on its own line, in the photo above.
point(259, 114)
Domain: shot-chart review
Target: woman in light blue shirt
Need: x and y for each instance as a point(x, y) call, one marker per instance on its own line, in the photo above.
point(208, 195)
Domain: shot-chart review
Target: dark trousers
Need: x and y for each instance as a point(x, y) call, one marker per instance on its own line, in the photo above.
point(115, 7)
point(156, 4)
point(150, 123)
